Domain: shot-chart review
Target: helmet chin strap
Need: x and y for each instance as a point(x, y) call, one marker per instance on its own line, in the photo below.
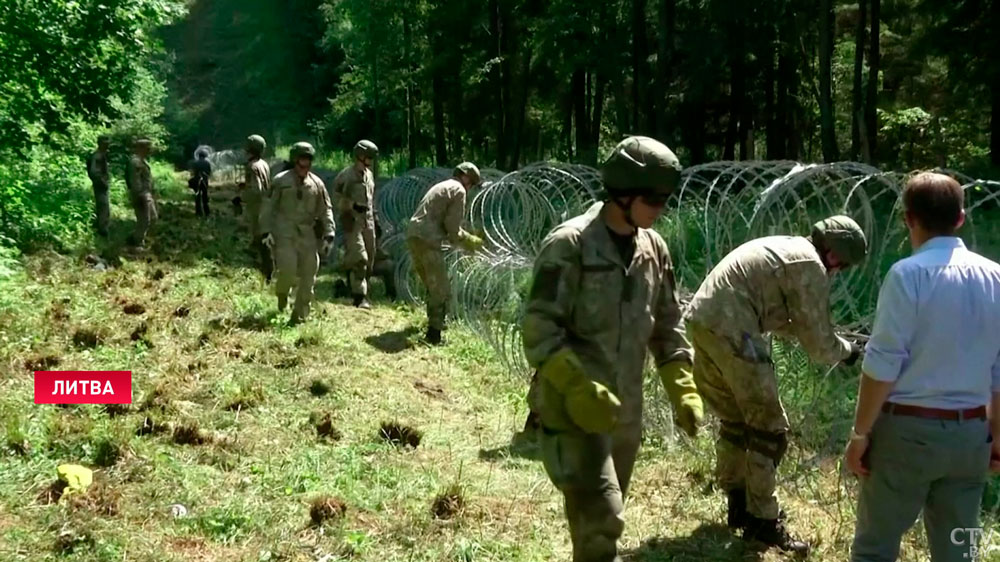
point(627, 207)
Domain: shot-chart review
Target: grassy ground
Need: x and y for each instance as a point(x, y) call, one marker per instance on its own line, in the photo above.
point(245, 422)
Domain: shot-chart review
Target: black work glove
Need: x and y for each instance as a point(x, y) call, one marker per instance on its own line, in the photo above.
point(856, 351)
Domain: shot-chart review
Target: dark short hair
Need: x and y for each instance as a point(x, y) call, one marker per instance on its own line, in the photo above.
point(935, 201)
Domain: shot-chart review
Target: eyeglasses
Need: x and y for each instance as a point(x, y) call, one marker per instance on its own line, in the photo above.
point(654, 200)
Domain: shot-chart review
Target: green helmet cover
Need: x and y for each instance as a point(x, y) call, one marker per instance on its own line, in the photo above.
point(641, 166)
point(301, 149)
point(842, 236)
point(365, 149)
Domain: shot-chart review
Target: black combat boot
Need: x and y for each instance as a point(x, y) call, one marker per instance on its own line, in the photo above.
point(737, 517)
point(772, 532)
point(433, 336)
point(360, 301)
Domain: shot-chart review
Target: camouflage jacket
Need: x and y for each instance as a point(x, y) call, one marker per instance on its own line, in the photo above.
point(439, 215)
point(138, 177)
point(257, 180)
point(584, 297)
point(97, 167)
point(773, 284)
point(354, 194)
point(296, 207)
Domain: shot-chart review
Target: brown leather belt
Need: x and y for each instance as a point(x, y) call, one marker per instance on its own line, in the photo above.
point(934, 413)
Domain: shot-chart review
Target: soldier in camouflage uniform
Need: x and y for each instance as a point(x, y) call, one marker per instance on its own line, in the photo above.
point(603, 292)
point(97, 169)
point(439, 218)
point(201, 174)
point(354, 191)
point(296, 220)
point(777, 284)
point(257, 182)
point(139, 180)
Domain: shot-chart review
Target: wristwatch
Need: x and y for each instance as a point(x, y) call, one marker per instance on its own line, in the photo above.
point(855, 436)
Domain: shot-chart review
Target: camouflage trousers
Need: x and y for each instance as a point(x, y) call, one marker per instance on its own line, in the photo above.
point(145, 215)
point(102, 207)
point(356, 257)
point(741, 389)
point(593, 472)
point(297, 261)
point(428, 262)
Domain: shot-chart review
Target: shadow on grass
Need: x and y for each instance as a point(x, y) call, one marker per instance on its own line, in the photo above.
point(523, 445)
point(394, 341)
point(710, 541)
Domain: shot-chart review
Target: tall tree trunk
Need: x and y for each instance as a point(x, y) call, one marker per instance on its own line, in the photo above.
point(871, 100)
point(580, 121)
point(598, 111)
point(772, 133)
point(440, 143)
point(995, 87)
point(737, 89)
point(568, 124)
point(410, 102)
point(497, 32)
point(857, 93)
point(640, 52)
point(664, 60)
point(828, 128)
point(521, 111)
point(621, 108)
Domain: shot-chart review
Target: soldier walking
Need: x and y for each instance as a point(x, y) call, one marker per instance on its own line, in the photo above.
point(354, 190)
point(97, 170)
point(201, 173)
point(139, 180)
point(603, 292)
point(256, 183)
point(297, 224)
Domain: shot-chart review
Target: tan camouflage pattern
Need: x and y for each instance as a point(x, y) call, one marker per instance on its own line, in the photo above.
point(584, 297)
point(292, 211)
point(428, 262)
point(744, 392)
point(139, 181)
point(257, 182)
point(353, 188)
point(774, 284)
point(439, 215)
point(97, 170)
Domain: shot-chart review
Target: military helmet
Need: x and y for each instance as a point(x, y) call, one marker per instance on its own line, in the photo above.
point(301, 149)
point(641, 166)
point(841, 235)
point(201, 154)
point(144, 142)
point(468, 169)
point(256, 144)
point(365, 149)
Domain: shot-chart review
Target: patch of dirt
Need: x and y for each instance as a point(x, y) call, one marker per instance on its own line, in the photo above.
point(400, 435)
point(20, 448)
point(101, 498)
point(134, 308)
point(58, 313)
point(139, 335)
point(430, 389)
point(86, 339)
point(326, 508)
point(319, 388)
point(42, 363)
point(288, 363)
point(149, 426)
point(324, 426)
point(69, 540)
point(306, 341)
point(51, 493)
point(182, 312)
point(157, 275)
point(190, 434)
point(115, 410)
point(253, 323)
point(449, 504)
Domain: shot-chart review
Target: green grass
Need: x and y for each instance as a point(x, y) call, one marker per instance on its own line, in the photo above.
point(247, 490)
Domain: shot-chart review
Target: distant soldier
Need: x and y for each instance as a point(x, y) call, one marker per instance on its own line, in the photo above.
point(777, 284)
point(354, 191)
point(297, 225)
point(439, 218)
point(97, 169)
point(139, 180)
point(256, 183)
point(201, 173)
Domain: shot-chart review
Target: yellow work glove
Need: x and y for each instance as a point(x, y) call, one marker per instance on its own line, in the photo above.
point(679, 383)
point(471, 242)
point(77, 478)
point(589, 404)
